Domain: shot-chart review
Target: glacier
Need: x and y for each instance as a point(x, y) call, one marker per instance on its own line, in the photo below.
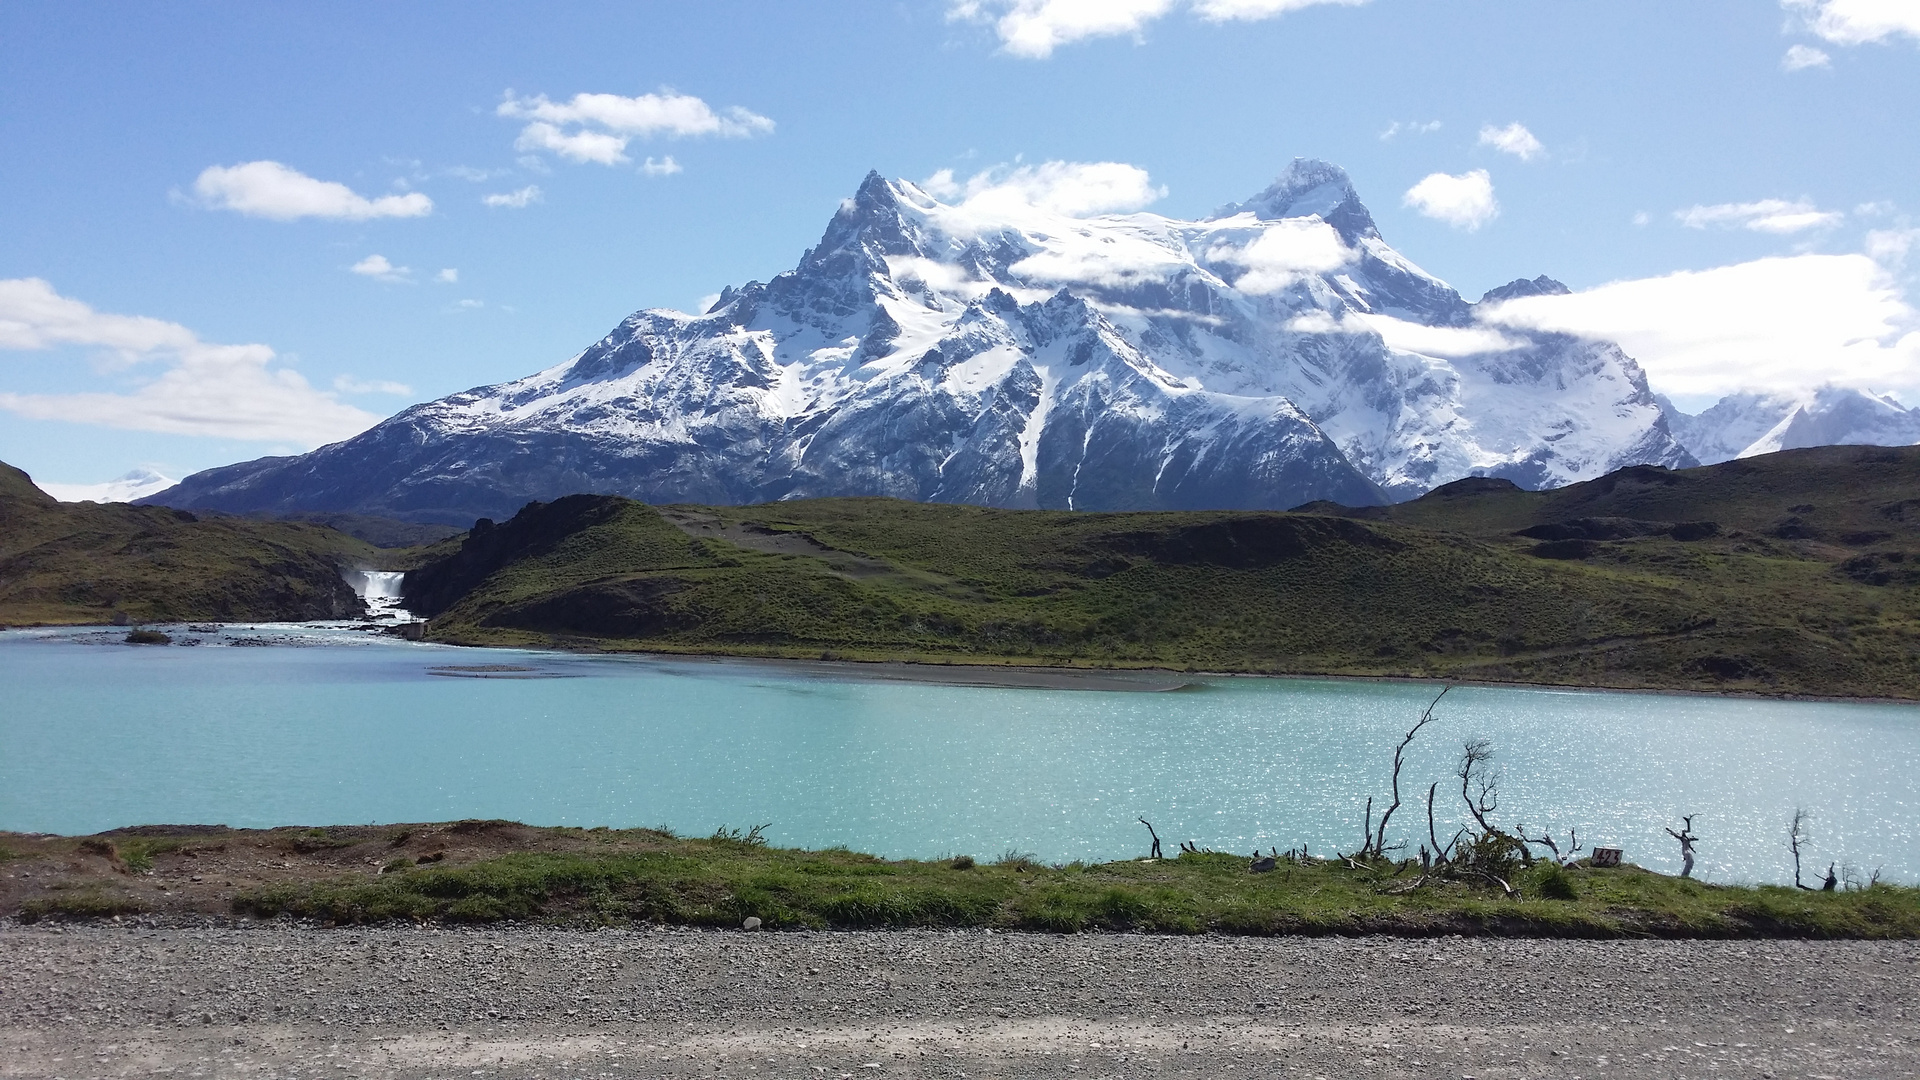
point(1276, 352)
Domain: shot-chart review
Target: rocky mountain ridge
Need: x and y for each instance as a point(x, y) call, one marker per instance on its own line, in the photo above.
point(1274, 353)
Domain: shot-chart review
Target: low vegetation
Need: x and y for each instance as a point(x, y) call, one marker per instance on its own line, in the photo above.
point(80, 904)
point(1789, 574)
point(500, 871)
point(721, 882)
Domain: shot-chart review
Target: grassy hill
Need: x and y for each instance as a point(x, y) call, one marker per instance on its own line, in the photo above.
point(1792, 573)
point(75, 563)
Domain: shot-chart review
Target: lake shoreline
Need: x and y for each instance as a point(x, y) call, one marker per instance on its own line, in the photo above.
point(992, 673)
point(995, 673)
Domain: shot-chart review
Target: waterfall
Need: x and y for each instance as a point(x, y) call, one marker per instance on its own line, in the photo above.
point(381, 591)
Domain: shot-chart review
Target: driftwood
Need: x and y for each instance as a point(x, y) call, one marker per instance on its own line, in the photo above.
point(1687, 839)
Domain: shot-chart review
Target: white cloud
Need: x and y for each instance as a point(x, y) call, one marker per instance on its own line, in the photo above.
point(1857, 22)
point(1465, 201)
point(1249, 10)
point(666, 166)
point(1404, 336)
point(665, 113)
point(1079, 258)
point(269, 189)
point(581, 146)
point(1890, 247)
point(1783, 323)
point(1641, 217)
point(1766, 215)
point(1513, 139)
point(34, 316)
point(1284, 252)
point(449, 276)
point(1397, 128)
point(1034, 28)
point(598, 127)
point(1447, 341)
point(347, 384)
point(377, 267)
point(223, 391)
point(1802, 57)
point(515, 199)
point(469, 305)
point(1067, 188)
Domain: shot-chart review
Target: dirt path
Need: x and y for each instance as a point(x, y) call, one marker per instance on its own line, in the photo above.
point(282, 1000)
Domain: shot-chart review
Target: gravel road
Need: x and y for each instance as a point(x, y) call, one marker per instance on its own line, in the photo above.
point(289, 1001)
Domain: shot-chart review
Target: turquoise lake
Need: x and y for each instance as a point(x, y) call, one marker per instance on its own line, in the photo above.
point(332, 726)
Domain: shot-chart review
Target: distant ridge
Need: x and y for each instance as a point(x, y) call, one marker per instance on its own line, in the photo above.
point(1787, 573)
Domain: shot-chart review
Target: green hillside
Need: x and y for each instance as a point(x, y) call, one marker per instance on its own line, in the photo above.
point(1792, 573)
point(76, 563)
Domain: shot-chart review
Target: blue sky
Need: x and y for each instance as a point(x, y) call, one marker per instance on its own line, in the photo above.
point(168, 300)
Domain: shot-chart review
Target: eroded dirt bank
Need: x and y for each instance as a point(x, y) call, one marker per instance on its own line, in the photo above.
point(170, 998)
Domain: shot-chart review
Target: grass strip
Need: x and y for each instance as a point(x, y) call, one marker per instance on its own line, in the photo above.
point(720, 882)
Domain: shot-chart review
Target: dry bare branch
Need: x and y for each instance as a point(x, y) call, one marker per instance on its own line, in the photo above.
point(1479, 782)
point(1545, 840)
point(1155, 835)
point(1797, 835)
point(1399, 759)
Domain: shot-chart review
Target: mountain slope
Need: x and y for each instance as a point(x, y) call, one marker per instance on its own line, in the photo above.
point(1790, 573)
point(1006, 355)
point(76, 563)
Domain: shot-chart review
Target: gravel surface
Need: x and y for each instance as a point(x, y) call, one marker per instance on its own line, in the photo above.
point(290, 1001)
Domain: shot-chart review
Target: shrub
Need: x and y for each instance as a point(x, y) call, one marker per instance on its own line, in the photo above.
point(752, 838)
point(1552, 882)
point(1018, 861)
point(83, 904)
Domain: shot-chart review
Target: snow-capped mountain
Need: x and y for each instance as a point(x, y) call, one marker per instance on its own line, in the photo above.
point(1745, 424)
point(993, 351)
point(133, 485)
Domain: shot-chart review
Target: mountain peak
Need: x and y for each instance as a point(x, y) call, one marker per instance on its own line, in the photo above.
point(872, 219)
point(1310, 186)
point(1519, 287)
point(873, 190)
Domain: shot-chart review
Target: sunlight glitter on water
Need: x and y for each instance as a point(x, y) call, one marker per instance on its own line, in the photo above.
point(101, 735)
